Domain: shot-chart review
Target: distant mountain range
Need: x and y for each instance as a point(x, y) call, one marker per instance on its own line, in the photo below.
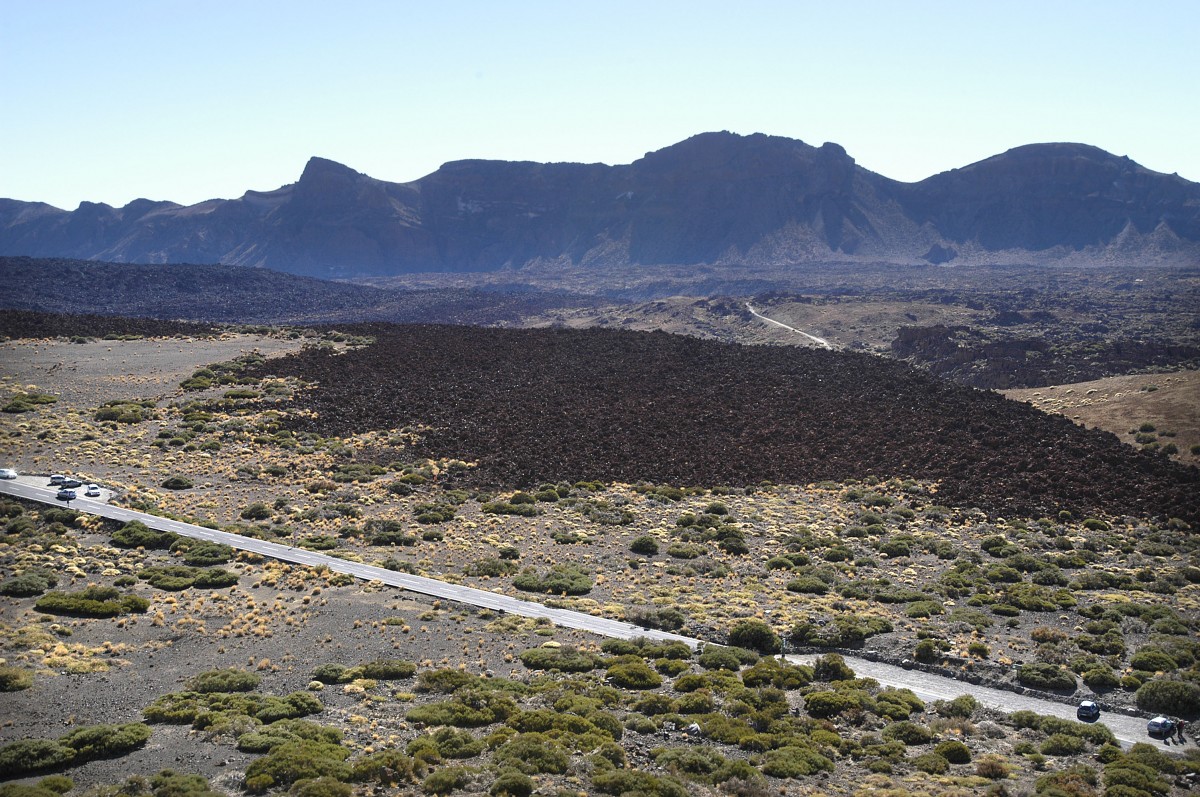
point(716, 199)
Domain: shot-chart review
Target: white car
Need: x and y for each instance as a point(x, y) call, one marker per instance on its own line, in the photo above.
point(92, 491)
point(1160, 726)
point(7, 473)
point(57, 478)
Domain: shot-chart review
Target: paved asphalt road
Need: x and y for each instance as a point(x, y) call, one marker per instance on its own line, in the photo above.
point(22, 488)
point(926, 685)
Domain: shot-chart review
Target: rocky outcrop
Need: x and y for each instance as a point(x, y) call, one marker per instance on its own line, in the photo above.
point(716, 198)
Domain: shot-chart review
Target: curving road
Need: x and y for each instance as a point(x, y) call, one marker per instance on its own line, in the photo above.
point(819, 341)
point(927, 686)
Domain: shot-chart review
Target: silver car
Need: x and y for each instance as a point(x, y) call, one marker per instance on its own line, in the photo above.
point(1160, 726)
point(7, 473)
point(92, 491)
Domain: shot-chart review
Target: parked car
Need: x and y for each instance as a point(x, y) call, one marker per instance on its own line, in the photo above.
point(1160, 726)
point(71, 484)
point(57, 478)
point(65, 495)
point(7, 473)
point(1088, 710)
point(92, 491)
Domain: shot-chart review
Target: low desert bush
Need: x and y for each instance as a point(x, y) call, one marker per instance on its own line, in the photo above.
point(136, 534)
point(15, 679)
point(92, 601)
point(1176, 697)
point(227, 680)
point(561, 659)
point(562, 579)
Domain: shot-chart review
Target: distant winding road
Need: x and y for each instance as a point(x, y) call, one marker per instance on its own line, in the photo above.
point(819, 341)
point(925, 685)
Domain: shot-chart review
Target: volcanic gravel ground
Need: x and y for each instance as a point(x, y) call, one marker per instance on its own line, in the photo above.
point(547, 405)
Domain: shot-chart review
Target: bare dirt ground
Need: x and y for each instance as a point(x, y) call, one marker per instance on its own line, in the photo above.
point(87, 374)
point(1170, 403)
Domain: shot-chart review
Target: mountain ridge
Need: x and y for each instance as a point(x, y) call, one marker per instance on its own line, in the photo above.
point(713, 199)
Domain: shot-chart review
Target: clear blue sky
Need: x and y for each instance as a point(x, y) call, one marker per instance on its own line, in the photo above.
point(111, 100)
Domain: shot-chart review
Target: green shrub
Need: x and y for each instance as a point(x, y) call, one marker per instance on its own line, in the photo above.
point(92, 601)
point(953, 751)
point(320, 787)
point(755, 635)
point(1041, 675)
point(287, 763)
point(635, 782)
point(923, 609)
point(666, 618)
point(178, 483)
point(559, 659)
point(15, 679)
point(810, 585)
point(31, 582)
point(1152, 659)
point(962, 706)
point(227, 680)
point(30, 755)
point(561, 579)
point(388, 669)
point(1063, 744)
point(58, 784)
point(795, 762)
point(1126, 776)
point(27, 402)
point(532, 753)
point(716, 657)
point(455, 744)
point(105, 741)
point(771, 671)
point(633, 675)
point(823, 705)
point(907, 732)
point(831, 667)
point(180, 577)
point(445, 680)
point(1176, 697)
point(1100, 679)
point(511, 508)
point(332, 674)
point(511, 783)
point(932, 763)
point(389, 767)
point(136, 534)
point(202, 553)
point(256, 511)
point(490, 568)
point(645, 545)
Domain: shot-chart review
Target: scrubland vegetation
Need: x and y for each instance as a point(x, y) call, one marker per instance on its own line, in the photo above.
point(311, 683)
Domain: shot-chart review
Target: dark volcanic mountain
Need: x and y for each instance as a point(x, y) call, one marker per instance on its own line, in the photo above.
point(716, 198)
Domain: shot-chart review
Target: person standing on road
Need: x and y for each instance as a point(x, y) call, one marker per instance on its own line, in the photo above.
point(1179, 726)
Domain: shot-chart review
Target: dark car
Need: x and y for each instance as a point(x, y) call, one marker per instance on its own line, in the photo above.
point(65, 495)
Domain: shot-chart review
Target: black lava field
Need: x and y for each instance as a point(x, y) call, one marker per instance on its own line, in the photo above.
point(549, 405)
